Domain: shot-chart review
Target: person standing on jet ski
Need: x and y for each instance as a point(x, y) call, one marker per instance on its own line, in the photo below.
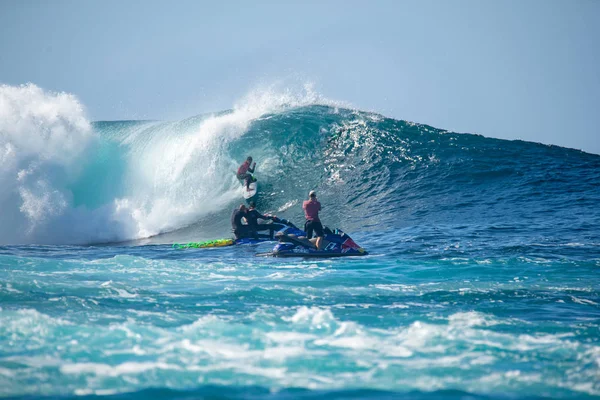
point(245, 170)
point(311, 208)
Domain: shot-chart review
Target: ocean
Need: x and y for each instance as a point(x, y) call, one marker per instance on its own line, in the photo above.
point(481, 280)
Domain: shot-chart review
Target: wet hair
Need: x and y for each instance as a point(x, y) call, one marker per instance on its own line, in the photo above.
point(249, 158)
point(252, 204)
point(242, 207)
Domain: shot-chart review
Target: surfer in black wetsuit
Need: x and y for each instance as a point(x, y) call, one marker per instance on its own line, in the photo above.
point(252, 216)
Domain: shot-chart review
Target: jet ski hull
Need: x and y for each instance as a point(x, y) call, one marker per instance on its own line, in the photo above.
point(315, 254)
point(335, 244)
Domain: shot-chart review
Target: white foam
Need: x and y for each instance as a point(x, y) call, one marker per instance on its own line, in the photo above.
point(290, 337)
point(397, 305)
point(282, 353)
point(201, 322)
point(29, 322)
point(471, 318)
point(395, 287)
point(43, 139)
point(98, 392)
point(583, 301)
point(10, 289)
point(100, 369)
point(136, 350)
point(288, 205)
point(315, 316)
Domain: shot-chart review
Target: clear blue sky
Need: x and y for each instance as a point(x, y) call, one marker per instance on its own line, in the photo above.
point(507, 69)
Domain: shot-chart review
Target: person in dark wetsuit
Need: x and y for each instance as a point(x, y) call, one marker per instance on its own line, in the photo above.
point(240, 230)
point(245, 171)
point(311, 208)
point(252, 217)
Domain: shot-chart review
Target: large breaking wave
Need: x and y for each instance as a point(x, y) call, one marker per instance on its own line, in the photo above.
point(66, 180)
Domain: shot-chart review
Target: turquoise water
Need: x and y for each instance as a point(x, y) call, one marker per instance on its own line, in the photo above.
point(119, 319)
point(482, 278)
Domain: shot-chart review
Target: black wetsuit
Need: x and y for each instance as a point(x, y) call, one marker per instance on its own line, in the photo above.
point(252, 217)
point(240, 230)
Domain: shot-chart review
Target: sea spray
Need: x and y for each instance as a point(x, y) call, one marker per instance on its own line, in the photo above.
point(44, 138)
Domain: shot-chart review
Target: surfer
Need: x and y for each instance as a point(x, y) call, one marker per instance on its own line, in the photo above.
point(245, 171)
point(311, 208)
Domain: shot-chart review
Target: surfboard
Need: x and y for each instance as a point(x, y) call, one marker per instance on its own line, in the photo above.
point(250, 193)
point(205, 244)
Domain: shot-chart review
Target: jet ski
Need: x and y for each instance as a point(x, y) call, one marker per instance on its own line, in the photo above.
point(335, 244)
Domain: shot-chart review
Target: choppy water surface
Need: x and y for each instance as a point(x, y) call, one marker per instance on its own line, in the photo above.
point(104, 320)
